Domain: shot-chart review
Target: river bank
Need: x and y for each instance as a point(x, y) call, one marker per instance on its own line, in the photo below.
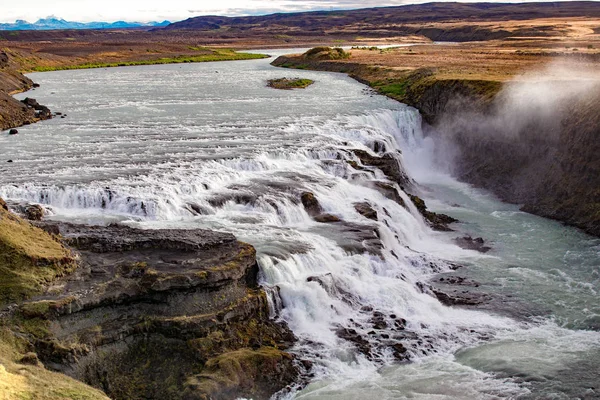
point(14, 63)
point(540, 161)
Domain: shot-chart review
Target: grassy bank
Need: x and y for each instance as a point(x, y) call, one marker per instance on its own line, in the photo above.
point(217, 55)
point(29, 259)
point(425, 88)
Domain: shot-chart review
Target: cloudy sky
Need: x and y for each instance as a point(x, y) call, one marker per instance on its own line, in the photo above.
point(172, 10)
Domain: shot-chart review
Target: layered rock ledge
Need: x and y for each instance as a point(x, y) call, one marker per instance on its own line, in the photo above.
point(143, 314)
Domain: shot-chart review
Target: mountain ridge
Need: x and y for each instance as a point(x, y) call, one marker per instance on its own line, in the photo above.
point(54, 23)
point(410, 13)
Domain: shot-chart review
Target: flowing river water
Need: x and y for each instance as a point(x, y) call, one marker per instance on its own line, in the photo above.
point(209, 145)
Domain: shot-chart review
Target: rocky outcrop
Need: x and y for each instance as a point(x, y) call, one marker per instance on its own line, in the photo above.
point(366, 210)
point(469, 243)
point(314, 209)
point(32, 212)
point(438, 221)
point(12, 112)
point(41, 112)
point(146, 314)
point(389, 163)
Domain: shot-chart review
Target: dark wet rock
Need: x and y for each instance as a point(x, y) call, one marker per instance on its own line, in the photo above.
point(119, 238)
point(197, 209)
point(35, 85)
point(29, 102)
point(34, 212)
point(378, 321)
point(353, 237)
point(389, 164)
point(10, 161)
point(311, 204)
point(379, 147)
point(41, 112)
point(438, 222)
point(477, 244)
point(399, 323)
point(351, 335)
point(147, 307)
point(237, 197)
point(366, 210)
point(447, 279)
point(354, 165)
point(400, 352)
point(13, 132)
point(388, 190)
point(460, 298)
point(326, 218)
point(314, 209)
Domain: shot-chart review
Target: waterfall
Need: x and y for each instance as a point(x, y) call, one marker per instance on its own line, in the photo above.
point(355, 291)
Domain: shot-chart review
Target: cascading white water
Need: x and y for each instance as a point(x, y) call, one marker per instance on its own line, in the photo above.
point(238, 160)
point(323, 287)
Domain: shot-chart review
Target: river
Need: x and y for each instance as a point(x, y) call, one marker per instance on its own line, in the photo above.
point(209, 145)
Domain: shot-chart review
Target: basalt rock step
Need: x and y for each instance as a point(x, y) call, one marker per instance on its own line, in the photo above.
point(438, 222)
point(389, 163)
point(174, 314)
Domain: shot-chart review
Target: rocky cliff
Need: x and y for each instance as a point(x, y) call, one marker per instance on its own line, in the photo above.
point(544, 158)
point(138, 314)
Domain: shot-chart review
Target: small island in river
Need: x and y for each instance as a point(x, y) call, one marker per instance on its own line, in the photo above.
point(289, 84)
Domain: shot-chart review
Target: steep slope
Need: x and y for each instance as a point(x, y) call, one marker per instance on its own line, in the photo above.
point(29, 259)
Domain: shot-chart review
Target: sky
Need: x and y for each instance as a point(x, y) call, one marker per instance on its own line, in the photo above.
point(172, 10)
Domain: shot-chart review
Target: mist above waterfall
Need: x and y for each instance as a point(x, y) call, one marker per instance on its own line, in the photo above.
point(510, 143)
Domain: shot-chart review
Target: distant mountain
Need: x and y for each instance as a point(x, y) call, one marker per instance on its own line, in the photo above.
point(53, 23)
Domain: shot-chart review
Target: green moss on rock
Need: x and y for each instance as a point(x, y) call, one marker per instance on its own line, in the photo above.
point(29, 258)
point(326, 53)
point(289, 83)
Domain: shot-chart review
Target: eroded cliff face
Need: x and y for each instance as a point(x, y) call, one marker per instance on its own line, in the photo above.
point(143, 314)
point(540, 151)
